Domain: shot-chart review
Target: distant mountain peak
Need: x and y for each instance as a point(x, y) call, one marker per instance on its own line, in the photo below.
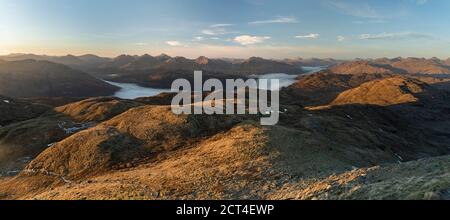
point(89, 55)
point(202, 60)
point(255, 58)
point(123, 56)
point(177, 59)
point(163, 55)
point(146, 56)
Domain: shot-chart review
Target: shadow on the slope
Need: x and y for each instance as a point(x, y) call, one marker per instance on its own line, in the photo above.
point(410, 130)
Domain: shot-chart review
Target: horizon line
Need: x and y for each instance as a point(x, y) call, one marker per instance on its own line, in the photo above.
point(214, 57)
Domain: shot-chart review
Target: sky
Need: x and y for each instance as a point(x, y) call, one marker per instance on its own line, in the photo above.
point(341, 29)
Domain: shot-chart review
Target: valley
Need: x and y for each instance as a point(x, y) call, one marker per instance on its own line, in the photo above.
point(356, 129)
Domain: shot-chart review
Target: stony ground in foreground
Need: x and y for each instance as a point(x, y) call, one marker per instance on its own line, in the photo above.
point(427, 179)
point(243, 163)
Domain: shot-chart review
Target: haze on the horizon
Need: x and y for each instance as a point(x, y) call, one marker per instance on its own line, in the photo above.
point(222, 28)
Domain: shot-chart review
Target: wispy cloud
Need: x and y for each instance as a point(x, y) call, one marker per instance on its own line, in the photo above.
point(215, 31)
point(174, 43)
point(140, 44)
point(249, 40)
point(199, 38)
point(389, 36)
point(276, 20)
point(202, 38)
point(398, 35)
point(308, 36)
point(340, 38)
point(220, 25)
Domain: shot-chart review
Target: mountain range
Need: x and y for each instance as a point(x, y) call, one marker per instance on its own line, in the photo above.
point(147, 62)
point(397, 65)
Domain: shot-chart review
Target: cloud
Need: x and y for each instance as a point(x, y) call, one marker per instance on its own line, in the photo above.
point(249, 40)
point(140, 44)
point(202, 38)
point(217, 31)
point(220, 25)
point(214, 32)
point(174, 43)
point(277, 20)
point(199, 38)
point(399, 35)
point(308, 36)
point(389, 36)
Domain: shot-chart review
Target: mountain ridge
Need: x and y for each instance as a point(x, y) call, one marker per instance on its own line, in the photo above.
point(30, 78)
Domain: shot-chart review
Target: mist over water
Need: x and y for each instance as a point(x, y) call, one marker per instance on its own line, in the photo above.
point(313, 69)
point(132, 91)
point(285, 80)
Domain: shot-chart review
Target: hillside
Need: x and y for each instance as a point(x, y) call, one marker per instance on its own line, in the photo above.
point(447, 62)
point(364, 131)
point(22, 141)
point(30, 78)
point(421, 66)
point(227, 165)
point(312, 62)
point(96, 109)
point(13, 110)
point(392, 66)
point(144, 62)
point(384, 92)
point(257, 66)
point(426, 179)
point(118, 62)
point(221, 157)
point(323, 87)
point(84, 62)
point(419, 180)
point(358, 67)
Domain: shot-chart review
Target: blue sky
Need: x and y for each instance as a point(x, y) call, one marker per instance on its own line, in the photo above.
point(227, 28)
